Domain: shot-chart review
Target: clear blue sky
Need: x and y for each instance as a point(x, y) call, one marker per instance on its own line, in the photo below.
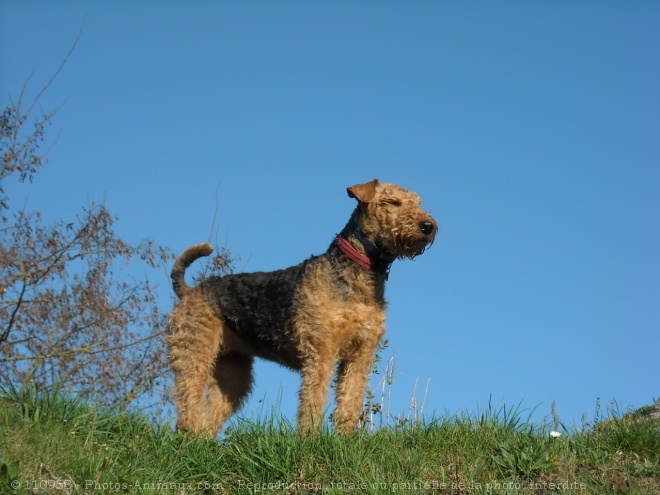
point(530, 129)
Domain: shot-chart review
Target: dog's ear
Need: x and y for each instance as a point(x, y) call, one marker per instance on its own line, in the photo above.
point(363, 192)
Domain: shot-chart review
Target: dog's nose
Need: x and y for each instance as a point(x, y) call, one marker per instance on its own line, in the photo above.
point(426, 227)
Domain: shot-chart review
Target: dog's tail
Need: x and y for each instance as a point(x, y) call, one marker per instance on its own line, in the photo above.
point(184, 261)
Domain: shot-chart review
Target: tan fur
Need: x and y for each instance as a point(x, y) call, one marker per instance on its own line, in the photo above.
point(184, 261)
point(339, 320)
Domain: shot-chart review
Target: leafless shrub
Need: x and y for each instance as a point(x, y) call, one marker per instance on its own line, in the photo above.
point(77, 309)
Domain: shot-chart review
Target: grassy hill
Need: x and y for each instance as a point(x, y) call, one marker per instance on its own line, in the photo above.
point(54, 444)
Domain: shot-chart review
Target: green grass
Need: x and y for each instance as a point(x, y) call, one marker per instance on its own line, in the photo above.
point(53, 444)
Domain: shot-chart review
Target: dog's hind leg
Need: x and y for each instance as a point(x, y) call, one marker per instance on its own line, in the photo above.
point(228, 387)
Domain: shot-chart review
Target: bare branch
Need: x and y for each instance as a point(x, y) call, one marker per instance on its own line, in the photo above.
point(80, 350)
point(5, 333)
point(68, 290)
point(56, 74)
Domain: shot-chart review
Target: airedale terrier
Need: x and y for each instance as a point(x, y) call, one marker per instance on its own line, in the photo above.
point(321, 317)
